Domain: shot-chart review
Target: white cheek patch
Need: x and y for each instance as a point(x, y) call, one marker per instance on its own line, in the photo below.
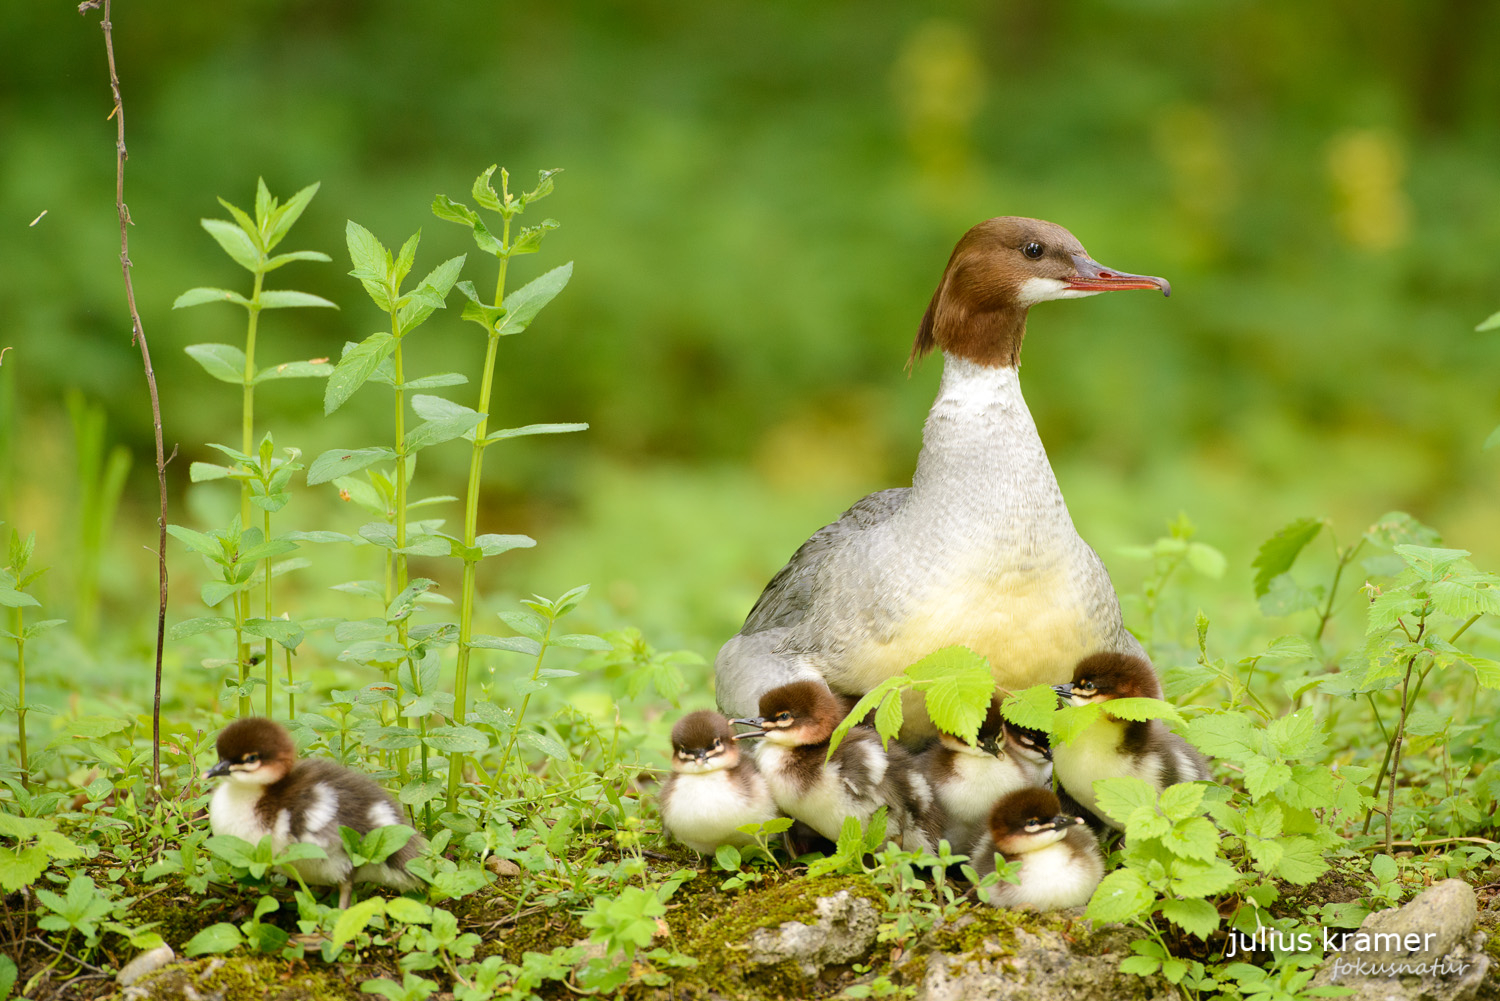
point(1035, 290)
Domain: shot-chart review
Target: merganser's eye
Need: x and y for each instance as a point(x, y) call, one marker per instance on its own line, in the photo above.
point(718, 744)
point(250, 758)
point(1032, 250)
point(1086, 685)
point(783, 717)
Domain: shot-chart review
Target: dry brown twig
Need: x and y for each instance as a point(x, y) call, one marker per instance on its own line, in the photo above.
point(138, 338)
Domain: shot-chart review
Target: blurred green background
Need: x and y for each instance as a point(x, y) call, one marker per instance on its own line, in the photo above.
point(759, 198)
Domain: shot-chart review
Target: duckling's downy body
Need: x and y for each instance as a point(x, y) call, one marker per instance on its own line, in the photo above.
point(1112, 747)
point(860, 776)
point(1059, 859)
point(969, 779)
point(980, 551)
point(713, 789)
point(267, 791)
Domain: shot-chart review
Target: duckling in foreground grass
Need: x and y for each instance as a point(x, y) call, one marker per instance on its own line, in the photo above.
point(266, 790)
point(1059, 859)
point(1112, 747)
point(969, 779)
point(713, 789)
point(860, 776)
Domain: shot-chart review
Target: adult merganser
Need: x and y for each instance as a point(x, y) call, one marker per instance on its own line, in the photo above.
point(1111, 747)
point(969, 779)
point(980, 550)
point(860, 776)
point(266, 790)
point(713, 790)
point(1060, 863)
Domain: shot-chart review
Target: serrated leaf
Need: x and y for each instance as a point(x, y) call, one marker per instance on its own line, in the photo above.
point(456, 740)
point(430, 294)
point(1301, 862)
point(522, 305)
point(958, 686)
point(889, 718)
point(288, 299)
point(1122, 896)
point(1263, 776)
point(1182, 800)
point(355, 368)
point(284, 217)
point(1280, 551)
point(222, 361)
point(355, 920)
point(1194, 837)
point(372, 263)
point(202, 624)
point(1225, 735)
point(1194, 878)
point(549, 746)
point(1196, 917)
point(294, 370)
point(1137, 709)
point(199, 296)
point(1031, 708)
point(1120, 796)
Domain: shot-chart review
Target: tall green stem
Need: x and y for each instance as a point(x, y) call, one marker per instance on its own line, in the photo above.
point(21, 708)
point(400, 563)
point(270, 652)
point(247, 443)
point(515, 728)
point(471, 529)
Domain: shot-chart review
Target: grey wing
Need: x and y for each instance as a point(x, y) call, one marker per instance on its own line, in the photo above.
point(789, 595)
point(754, 661)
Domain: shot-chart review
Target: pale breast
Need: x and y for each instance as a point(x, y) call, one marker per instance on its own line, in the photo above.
point(705, 811)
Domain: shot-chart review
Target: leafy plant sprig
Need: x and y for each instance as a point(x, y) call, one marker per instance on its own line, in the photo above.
point(14, 579)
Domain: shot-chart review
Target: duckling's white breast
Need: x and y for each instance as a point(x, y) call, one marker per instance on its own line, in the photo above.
point(704, 811)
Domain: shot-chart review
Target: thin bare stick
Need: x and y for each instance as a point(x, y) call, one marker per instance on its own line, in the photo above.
point(138, 338)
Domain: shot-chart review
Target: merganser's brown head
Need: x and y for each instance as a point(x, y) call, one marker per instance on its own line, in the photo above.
point(254, 751)
point(1100, 677)
point(703, 741)
point(1029, 819)
point(796, 714)
point(999, 270)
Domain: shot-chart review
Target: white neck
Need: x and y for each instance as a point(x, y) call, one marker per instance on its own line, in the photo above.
point(983, 473)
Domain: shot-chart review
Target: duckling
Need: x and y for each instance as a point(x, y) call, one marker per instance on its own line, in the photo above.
point(713, 789)
point(797, 720)
point(1111, 747)
point(968, 779)
point(1060, 862)
point(266, 790)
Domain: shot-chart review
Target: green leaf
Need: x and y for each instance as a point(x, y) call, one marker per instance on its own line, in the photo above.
point(1301, 861)
point(294, 370)
point(430, 294)
point(889, 718)
point(1492, 440)
point(522, 305)
point(1280, 551)
point(958, 687)
point(1194, 837)
point(1032, 708)
point(341, 462)
point(1490, 323)
point(287, 299)
point(220, 937)
point(531, 429)
point(438, 431)
point(1196, 917)
point(1206, 560)
point(235, 241)
point(11, 598)
point(549, 746)
point(728, 858)
point(456, 740)
point(222, 361)
point(1119, 797)
point(198, 296)
point(1122, 896)
point(21, 866)
point(1229, 735)
point(1193, 878)
point(1182, 800)
point(201, 624)
point(355, 368)
point(448, 210)
point(1384, 869)
point(372, 263)
point(355, 920)
point(1263, 776)
point(283, 218)
point(296, 255)
point(1136, 709)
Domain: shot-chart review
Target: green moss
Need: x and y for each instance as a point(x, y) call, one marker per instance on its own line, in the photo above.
point(237, 978)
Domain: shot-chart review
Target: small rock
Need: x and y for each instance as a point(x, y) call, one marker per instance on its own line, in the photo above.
point(1426, 950)
point(844, 931)
point(502, 867)
point(147, 962)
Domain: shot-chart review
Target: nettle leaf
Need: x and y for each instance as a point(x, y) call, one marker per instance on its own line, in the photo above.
point(1121, 796)
point(222, 361)
point(890, 688)
point(1196, 917)
point(1280, 551)
point(201, 295)
point(1069, 722)
point(1485, 670)
point(1464, 598)
point(1263, 776)
point(1121, 897)
point(889, 718)
point(1296, 734)
point(1308, 786)
point(1031, 708)
point(1229, 735)
point(1301, 860)
point(1194, 878)
point(1136, 709)
point(958, 687)
point(1182, 800)
point(355, 368)
point(1429, 562)
point(288, 299)
point(1194, 837)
